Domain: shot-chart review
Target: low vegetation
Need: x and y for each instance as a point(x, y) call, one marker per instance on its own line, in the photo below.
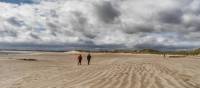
point(28, 59)
point(148, 51)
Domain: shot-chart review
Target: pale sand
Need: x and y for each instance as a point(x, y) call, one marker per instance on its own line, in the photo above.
point(59, 70)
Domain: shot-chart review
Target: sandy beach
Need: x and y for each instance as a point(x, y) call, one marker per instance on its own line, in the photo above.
point(60, 70)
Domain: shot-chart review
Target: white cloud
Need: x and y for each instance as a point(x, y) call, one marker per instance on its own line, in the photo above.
point(99, 23)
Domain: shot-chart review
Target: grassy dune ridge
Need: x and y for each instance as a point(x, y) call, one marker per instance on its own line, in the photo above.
point(147, 51)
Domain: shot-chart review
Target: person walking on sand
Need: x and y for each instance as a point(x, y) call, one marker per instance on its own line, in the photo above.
point(79, 59)
point(164, 55)
point(88, 58)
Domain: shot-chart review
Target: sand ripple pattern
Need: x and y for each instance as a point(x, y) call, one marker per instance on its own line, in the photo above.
point(144, 75)
point(113, 73)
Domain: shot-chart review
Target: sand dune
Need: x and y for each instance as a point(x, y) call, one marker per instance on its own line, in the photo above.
point(106, 71)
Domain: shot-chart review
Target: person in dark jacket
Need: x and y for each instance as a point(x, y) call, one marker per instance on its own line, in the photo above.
point(79, 59)
point(88, 58)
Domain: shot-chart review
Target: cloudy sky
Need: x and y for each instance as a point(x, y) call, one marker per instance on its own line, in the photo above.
point(100, 24)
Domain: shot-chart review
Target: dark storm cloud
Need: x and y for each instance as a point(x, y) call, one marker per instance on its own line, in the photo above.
point(171, 16)
point(54, 13)
point(194, 25)
point(32, 46)
point(8, 32)
point(164, 47)
point(106, 12)
point(142, 28)
point(64, 47)
point(89, 35)
point(16, 22)
point(34, 36)
point(53, 26)
point(80, 24)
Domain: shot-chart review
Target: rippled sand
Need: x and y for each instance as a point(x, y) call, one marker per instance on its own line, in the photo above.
point(59, 70)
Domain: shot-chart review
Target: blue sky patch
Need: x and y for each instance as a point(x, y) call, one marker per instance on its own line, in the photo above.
point(19, 1)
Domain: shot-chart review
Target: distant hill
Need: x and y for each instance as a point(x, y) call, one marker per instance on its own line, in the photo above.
point(151, 51)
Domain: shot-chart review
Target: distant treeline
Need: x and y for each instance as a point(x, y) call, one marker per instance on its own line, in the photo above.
point(147, 51)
